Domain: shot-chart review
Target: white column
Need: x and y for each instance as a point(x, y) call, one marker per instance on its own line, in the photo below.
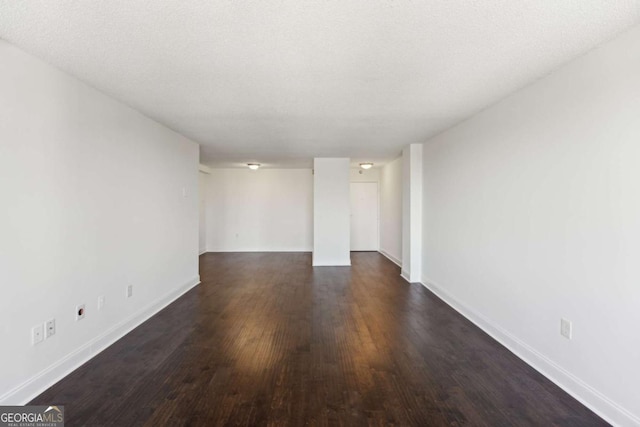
point(412, 213)
point(331, 212)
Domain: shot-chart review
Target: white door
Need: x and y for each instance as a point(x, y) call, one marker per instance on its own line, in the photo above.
point(364, 216)
point(202, 194)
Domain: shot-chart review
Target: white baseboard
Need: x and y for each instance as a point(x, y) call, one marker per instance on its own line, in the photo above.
point(332, 264)
point(406, 276)
point(393, 259)
point(585, 394)
point(252, 250)
point(34, 386)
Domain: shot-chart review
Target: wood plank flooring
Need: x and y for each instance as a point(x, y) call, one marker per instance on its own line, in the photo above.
point(268, 340)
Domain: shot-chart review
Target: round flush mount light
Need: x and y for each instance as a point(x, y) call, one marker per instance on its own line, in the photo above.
point(253, 166)
point(366, 166)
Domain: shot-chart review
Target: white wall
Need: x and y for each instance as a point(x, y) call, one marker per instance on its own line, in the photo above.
point(369, 175)
point(331, 212)
point(91, 201)
point(260, 211)
point(391, 210)
point(532, 213)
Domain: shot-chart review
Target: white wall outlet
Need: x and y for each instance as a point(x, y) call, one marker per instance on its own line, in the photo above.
point(37, 334)
point(100, 302)
point(566, 328)
point(49, 328)
point(80, 312)
point(129, 291)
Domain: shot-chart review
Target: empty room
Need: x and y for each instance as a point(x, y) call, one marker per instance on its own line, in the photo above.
point(319, 213)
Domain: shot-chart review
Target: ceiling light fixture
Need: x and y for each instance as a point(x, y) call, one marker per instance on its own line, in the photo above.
point(253, 166)
point(366, 166)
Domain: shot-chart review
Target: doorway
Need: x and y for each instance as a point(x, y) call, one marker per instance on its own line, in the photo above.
point(364, 216)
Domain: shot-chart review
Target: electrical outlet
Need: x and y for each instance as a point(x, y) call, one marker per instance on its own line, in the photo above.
point(37, 334)
point(129, 291)
point(49, 328)
point(80, 312)
point(100, 302)
point(566, 328)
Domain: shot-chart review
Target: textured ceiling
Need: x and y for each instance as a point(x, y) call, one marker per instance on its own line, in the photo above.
point(280, 82)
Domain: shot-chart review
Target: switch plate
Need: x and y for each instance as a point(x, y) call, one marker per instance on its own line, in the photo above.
point(566, 328)
point(37, 334)
point(49, 328)
point(129, 291)
point(100, 302)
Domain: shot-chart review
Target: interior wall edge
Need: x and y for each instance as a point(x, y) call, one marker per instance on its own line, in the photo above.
point(204, 169)
point(391, 258)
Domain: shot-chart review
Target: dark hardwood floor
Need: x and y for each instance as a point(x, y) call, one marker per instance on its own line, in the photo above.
point(268, 340)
